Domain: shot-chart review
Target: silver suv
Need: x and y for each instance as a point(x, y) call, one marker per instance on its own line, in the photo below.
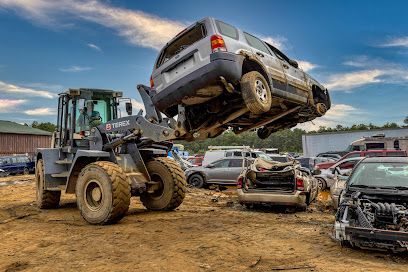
point(217, 76)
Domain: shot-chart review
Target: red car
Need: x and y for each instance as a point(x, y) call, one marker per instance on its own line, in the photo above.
point(367, 153)
point(196, 160)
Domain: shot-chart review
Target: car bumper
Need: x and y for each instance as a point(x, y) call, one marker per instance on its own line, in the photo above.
point(298, 198)
point(372, 238)
point(227, 65)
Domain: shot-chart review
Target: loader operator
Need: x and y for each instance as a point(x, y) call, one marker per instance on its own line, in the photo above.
point(88, 117)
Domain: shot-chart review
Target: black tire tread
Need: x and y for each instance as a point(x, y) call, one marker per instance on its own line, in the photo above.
point(120, 190)
point(48, 199)
point(179, 189)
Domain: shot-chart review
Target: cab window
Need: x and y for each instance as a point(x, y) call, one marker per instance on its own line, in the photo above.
point(89, 111)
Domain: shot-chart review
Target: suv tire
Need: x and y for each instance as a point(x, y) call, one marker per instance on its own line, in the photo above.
point(256, 92)
point(196, 180)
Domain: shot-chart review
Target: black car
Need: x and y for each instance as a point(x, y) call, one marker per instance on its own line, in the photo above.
point(17, 164)
point(373, 210)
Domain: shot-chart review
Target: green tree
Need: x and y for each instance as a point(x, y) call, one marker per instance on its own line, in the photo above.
point(47, 126)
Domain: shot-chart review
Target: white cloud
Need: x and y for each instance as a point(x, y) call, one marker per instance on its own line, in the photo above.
point(137, 27)
point(9, 105)
point(306, 65)
point(396, 42)
point(350, 80)
point(75, 69)
point(41, 111)
point(338, 114)
point(278, 41)
point(14, 89)
point(94, 46)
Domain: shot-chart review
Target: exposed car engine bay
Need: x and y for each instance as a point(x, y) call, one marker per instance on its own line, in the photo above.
point(373, 220)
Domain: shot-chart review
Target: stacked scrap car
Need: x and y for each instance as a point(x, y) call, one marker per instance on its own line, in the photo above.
point(275, 183)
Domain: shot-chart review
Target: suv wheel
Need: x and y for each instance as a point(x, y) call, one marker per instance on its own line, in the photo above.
point(196, 180)
point(256, 93)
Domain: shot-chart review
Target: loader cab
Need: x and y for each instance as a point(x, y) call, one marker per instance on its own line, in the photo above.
point(81, 109)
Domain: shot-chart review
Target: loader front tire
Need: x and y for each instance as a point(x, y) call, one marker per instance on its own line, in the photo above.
point(45, 199)
point(171, 189)
point(103, 193)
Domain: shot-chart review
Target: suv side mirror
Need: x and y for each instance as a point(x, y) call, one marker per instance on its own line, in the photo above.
point(129, 108)
point(210, 165)
point(294, 63)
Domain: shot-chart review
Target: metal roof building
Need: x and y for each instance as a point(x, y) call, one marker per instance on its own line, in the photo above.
point(20, 139)
point(315, 143)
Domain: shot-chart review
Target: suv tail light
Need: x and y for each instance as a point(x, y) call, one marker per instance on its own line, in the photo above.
point(299, 184)
point(239, 182)
point(217, 44)
point(151, 81)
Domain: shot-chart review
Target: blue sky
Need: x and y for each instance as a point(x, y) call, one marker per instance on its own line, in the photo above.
point(359, 49)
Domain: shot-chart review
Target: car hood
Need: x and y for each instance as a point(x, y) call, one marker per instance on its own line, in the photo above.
point(196, 169)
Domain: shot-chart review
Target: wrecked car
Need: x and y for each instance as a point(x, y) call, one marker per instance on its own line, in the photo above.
point(214, 76)
point(373, 210)
point(326, 178)
point(276, 183)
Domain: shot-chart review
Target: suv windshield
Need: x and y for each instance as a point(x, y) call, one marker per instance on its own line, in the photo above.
point(381, 174)
point(182, 42)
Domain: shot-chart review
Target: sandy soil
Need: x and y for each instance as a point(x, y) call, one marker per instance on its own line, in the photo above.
point(209, 232)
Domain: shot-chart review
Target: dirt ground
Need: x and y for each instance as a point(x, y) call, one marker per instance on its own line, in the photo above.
point(209, 232)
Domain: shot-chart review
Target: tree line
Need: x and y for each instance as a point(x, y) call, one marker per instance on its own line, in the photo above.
point(289, 140)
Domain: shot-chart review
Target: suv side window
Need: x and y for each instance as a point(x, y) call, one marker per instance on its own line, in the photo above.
point(235, 163)
point(256, 43)
point(228, 154)
point(221, 164)
point(227, 30)
point(237, 154)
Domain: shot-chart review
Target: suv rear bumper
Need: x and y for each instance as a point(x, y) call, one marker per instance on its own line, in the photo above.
point(228, 65)
point(298, 198)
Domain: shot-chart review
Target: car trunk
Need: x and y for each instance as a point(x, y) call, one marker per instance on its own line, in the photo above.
point(189, 51)
point(271, 176)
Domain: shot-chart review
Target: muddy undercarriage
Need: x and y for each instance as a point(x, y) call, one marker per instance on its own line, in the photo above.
point(210, 119)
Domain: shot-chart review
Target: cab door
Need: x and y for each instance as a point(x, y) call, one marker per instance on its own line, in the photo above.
point(271, 62)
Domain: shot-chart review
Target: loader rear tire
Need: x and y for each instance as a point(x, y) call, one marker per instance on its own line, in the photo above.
point(256, 92)
point(103, 193)
point(45, 199)
point(172, 185)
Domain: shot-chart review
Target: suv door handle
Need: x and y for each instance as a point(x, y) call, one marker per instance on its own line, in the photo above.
point(260, 54)
point(285, 66)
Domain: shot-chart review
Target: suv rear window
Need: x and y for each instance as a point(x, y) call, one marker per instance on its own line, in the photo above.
point(182, 42)
point(227, 30)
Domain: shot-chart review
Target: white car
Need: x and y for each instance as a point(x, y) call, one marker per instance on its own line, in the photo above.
point(343, 167)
